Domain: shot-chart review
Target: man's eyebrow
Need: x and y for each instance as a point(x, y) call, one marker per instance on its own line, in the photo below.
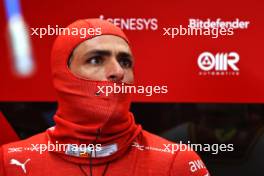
point(109, 53)
point(100, 52)
point(125, 54)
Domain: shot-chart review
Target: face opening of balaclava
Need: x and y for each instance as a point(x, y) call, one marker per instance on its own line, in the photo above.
point(83, 116)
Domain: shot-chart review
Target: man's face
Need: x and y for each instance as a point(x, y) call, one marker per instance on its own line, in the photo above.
point(103, 58)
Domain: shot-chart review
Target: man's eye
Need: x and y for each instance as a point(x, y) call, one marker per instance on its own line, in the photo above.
point(95, 60)
point(125, 62)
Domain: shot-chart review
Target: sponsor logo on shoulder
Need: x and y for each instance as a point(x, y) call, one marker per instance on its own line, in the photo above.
point(22, 165)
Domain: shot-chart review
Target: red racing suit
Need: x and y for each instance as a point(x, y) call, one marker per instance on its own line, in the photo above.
point(147, 156)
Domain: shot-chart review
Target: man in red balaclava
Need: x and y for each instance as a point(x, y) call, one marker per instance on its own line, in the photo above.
point(114, 144)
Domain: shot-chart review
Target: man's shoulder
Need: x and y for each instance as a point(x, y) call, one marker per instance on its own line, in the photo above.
point(153, 146)
point(179, 157)
point(27, 147)
point(22, 151)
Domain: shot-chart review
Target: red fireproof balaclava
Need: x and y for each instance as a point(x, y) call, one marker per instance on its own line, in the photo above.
point(83, 116)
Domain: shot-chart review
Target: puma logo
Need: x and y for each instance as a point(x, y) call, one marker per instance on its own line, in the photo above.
point(23, 166)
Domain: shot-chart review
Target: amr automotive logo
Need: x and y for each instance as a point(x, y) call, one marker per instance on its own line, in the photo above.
point(219, 64)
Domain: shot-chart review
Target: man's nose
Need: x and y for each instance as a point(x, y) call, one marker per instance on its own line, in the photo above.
point(114, 72)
